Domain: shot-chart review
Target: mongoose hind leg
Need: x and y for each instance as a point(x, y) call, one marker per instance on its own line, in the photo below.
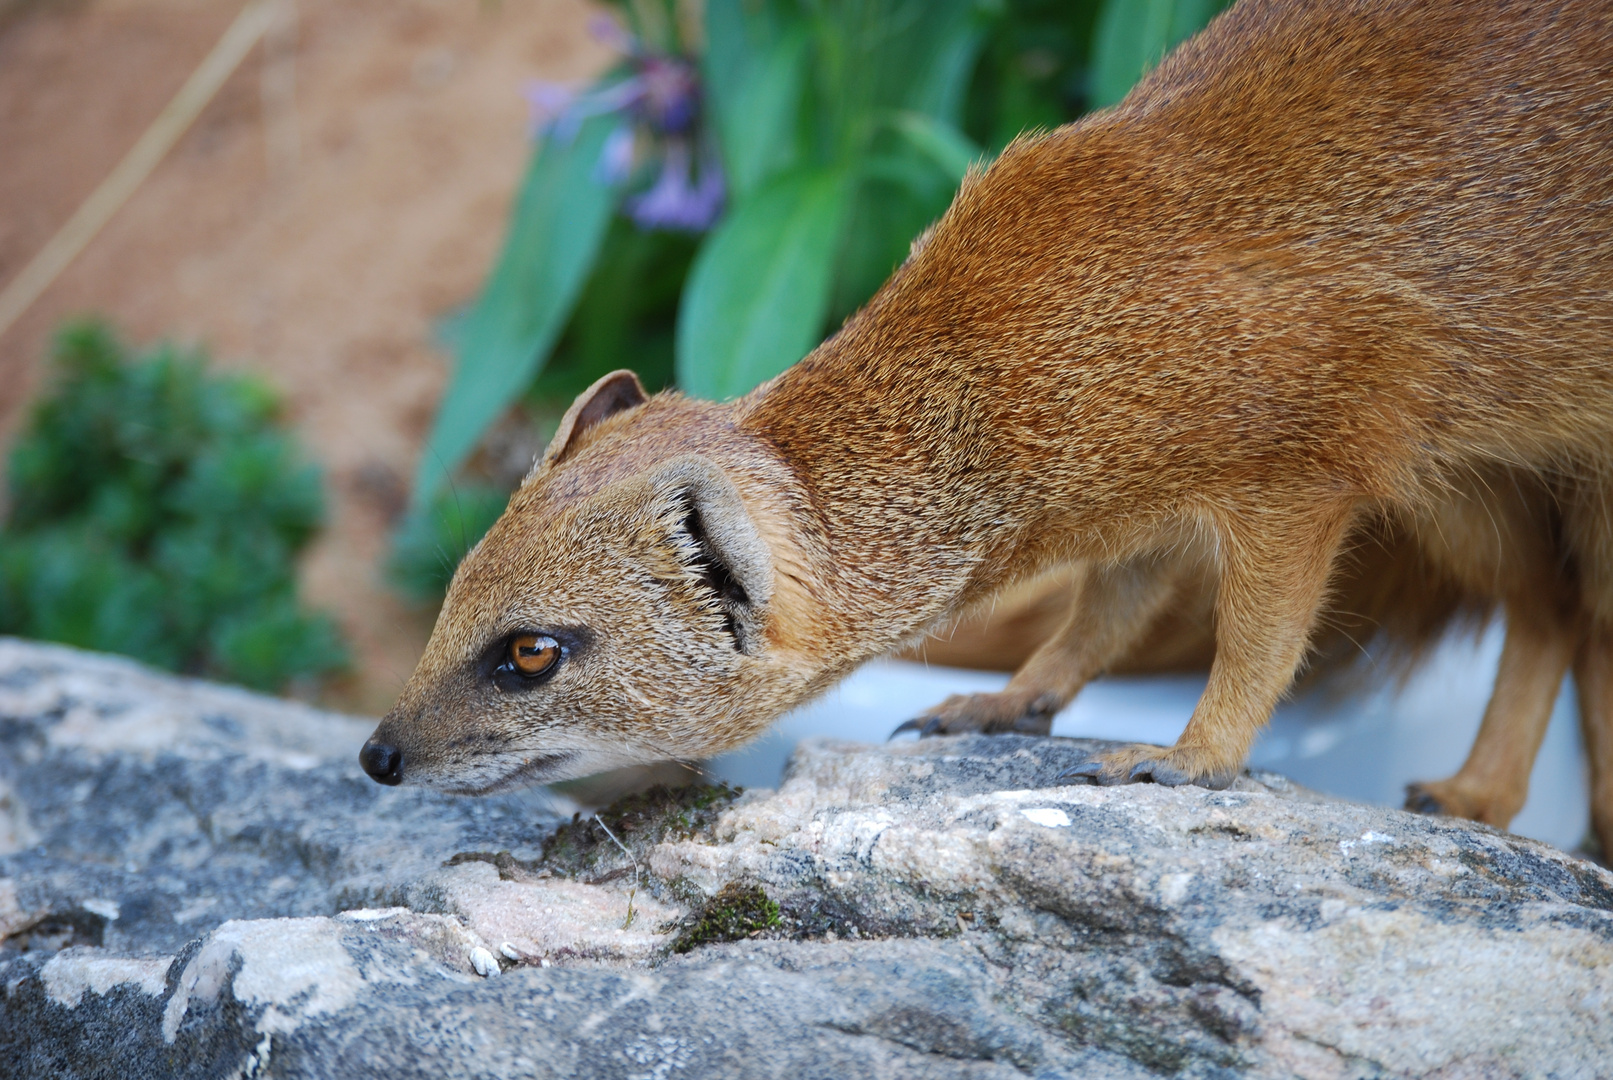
point(1593, 677)
point(1500, 532)
point(1493, 782)
point(1023, 713)
point(1274, 578)
point(1004, 632)
point(1591, 537)
point(1111, 609)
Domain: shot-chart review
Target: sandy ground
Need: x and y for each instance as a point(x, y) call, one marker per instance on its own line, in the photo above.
point(313, 239)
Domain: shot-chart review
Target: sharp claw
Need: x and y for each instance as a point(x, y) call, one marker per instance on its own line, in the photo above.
point(931, 728)
point(905, 726)
point(1160, 771)
point(1090, 771)
point(1421, 801)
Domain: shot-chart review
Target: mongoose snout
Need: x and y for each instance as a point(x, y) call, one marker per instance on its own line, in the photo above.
point(383, 763)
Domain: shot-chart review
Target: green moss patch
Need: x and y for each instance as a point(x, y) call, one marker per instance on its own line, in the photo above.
point(582, 849)
point(738, 912)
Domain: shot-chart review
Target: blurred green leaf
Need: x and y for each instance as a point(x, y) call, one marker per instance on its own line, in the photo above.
point(755, 66)
point(872, 56)
point(759, 289)
point(737, 33)
point(624, 317)
point(941, 142)
point(949, 45)
point(1032, 71)
point(896, 196)
point(555, 233)
point(1133, 36)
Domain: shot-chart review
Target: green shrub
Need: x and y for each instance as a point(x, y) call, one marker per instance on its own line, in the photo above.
point(157, 511)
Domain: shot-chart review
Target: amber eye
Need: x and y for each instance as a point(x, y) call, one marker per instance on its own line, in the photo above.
point(533, 654)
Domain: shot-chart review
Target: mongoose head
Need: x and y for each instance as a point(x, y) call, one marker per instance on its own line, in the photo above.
point(624, 608)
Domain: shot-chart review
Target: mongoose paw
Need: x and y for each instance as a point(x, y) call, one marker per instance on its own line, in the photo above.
point(1422, 801)
point(1171, 766)
point(1490, 803)
point(988, 714)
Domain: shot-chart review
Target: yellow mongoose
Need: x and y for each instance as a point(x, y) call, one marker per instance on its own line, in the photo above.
point(1331, 261)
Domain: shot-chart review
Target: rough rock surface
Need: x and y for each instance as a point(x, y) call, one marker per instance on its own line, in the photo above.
point(199, 882)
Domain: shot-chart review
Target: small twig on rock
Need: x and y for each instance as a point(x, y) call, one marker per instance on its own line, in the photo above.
point(638, 876)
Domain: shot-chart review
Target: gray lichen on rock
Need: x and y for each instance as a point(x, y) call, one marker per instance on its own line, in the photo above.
point(199, 882)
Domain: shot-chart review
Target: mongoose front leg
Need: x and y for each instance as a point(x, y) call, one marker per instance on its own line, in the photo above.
point(1593, 678)
point(1273, 581)
point(1111, 609)
point(1494, 780)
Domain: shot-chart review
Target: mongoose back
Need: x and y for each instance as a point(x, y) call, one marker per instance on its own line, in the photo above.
point(1330, 260)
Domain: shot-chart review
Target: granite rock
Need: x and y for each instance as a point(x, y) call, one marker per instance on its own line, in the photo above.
point(197, 881)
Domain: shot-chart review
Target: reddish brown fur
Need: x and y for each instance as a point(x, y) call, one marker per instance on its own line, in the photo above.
point(1330, 262)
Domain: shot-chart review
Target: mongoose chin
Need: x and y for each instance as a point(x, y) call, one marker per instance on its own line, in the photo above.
point(1332, 262)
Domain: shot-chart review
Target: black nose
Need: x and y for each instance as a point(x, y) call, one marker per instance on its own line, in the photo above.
point(384, 763)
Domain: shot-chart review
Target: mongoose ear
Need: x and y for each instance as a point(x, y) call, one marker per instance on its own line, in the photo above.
point(614, 393)
point(716, 541)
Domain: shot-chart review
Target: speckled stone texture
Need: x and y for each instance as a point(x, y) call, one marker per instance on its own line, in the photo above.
point(196, 881)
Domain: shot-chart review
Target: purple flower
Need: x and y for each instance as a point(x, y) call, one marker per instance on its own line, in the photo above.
point(659, 102)
point(545, 102)
point(558, 111)
point(616, 157)
point(675, 200)
point(670, 98)
point(607, 31)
